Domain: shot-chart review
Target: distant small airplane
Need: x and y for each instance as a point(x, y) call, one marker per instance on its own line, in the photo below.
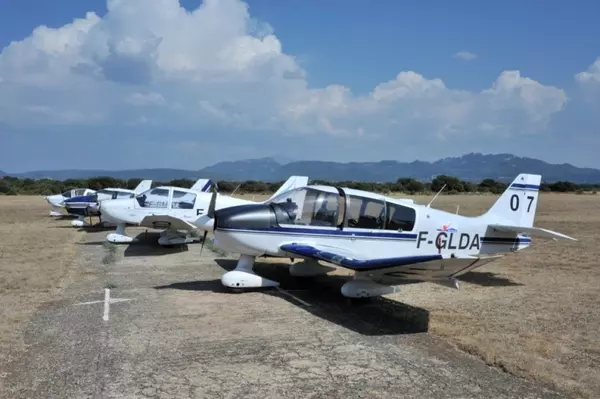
point(57, 201)
point(173, 209)
point(88, 205)
point(384, 240)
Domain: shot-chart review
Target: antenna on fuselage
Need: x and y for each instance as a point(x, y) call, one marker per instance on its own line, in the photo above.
point(238, 186)
point(457, 207)
point(438, 193)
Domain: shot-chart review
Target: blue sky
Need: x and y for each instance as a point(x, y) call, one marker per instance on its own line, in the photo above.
point(147, 84)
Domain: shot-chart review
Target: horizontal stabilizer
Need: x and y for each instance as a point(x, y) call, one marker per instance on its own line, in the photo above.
point(531, 231)
point(166, 222)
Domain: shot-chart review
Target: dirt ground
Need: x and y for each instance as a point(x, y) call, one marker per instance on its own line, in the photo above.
point(533, 313)
point(36, 252)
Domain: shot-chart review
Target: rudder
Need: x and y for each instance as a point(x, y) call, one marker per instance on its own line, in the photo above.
point(517, 205)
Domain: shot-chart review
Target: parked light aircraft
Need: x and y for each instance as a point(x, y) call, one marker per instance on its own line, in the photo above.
point(385, 241)
point(173, 209)
point(88, 205)
point(57, 201)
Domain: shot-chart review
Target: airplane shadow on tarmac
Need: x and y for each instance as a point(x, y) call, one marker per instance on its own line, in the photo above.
point(376, 316)
point(146, 245)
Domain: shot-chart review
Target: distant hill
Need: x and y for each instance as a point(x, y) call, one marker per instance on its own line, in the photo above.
point(469, 167)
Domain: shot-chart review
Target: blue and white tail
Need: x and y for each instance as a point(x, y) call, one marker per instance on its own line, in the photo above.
point(290, 184)
point(514, 212)
point(202, 185)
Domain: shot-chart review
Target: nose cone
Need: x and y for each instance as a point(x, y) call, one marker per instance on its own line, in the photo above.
point(205, 223)
point(55, 200)
point(249, 217)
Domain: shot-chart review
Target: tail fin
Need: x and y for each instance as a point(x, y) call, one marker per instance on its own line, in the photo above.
point(143, 186)
point(290, 184)
point(514, 212)
point(517, 205)
point(202, 185)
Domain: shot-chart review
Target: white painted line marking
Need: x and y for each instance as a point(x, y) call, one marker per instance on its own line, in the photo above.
point(106, 303)
point(292, 296)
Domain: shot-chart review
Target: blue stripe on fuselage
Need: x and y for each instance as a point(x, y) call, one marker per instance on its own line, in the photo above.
point(365, 234)
point(81, 198)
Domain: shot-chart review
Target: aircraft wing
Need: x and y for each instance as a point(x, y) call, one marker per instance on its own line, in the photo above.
point(344, 258)
point(167, 222)
point(391, 271)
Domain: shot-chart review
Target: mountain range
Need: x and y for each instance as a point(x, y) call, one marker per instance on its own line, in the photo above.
point(469, 167)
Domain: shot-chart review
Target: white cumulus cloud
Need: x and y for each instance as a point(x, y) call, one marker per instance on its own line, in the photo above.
point(152, 63)
point(592, 75)
point(465, 55)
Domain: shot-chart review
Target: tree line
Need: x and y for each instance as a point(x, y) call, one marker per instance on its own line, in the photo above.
point(15, 186)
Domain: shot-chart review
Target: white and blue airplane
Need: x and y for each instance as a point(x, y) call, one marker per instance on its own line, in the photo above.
point(385, 241)
point(173, 209)
point(88, 205)
point(57, 201)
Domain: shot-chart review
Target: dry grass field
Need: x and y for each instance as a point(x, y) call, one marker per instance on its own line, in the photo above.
point(36, 253)
point(534, 313)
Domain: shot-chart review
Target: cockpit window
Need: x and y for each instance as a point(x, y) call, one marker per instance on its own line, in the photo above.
point(67, 194)
point(401, 218)
point(183, 200)
point(365, 213)
point(79, 192)
point(307, 206)
point(154, 198)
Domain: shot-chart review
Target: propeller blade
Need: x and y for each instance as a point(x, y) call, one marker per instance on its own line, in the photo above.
point(203, 240)
point(213, 203)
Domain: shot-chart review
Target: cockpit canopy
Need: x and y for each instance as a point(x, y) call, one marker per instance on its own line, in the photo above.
point(76, 192)
point(166, 197)
point(333, 207)
point(114, 194)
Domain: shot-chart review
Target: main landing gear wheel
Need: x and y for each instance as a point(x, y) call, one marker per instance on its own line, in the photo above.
point(243, 276)
point(359, 301)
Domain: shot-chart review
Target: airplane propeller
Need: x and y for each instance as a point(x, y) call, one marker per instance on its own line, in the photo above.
point(210, 212)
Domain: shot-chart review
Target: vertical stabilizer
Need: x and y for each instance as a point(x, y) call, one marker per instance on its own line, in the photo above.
point(290, 184)
point(143, 186)
point(202, 185)
point(517, 205)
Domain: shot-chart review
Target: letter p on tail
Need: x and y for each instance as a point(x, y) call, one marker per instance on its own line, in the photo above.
point(517, 205)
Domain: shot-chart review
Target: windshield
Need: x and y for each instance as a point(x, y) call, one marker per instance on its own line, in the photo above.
point(307, 206)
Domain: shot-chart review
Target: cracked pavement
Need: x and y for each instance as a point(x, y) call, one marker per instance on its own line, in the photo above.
point(183, 335)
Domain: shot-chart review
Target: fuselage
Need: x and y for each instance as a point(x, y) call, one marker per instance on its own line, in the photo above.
point(184, 204)
point(361, 223)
